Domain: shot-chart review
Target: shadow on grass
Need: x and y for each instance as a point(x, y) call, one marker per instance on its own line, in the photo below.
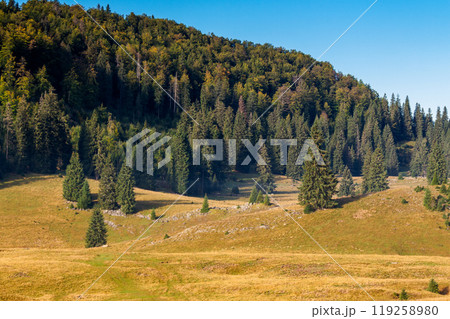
point(18, 180)
point(346, 200)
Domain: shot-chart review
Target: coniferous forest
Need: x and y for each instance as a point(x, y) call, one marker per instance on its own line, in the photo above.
point(66, 87)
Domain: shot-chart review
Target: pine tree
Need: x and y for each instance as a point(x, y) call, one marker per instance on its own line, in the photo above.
point(205, 206)
point(266, 179)
point(107, 189)
point(433, 286)
point(347, 187)
point(390, 152)
point(74, 180)
point(96, 234)
point(318, 182)
point(259, 198)
point(437, 166)
point(153, 214)
point(419, 160)
point(266, 200)
point(24, 136)
point(375, 179)
point(407, 120)
point(253, 195)
point(181, 157)
point(125, 190)
point(85, 200)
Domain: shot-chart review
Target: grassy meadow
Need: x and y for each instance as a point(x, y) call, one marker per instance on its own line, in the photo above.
point(234, 252)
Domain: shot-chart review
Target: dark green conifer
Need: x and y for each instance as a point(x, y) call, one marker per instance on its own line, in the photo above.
point(74, 180)
point(266, 179)
point(266, 200)
point(85, 200)
point(253, 195)
point(437, 166)
point(205, 206)
point(346, 188)
point(107, 190)
point(318, 182)
point(125, 190)
point(259, 198)
point(427, 200)
point(96, 234)
point(376, 178)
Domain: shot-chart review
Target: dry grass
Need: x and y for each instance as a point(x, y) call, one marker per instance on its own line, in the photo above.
point(231, 253)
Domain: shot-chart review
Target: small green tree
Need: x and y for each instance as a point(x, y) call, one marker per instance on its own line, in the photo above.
point(125, 190)
point(443, 190)
point(96, 234)
point(266, 200)
point(260, 198)
point(403, 295)
point(347, 187)
point(107, 189)
point(85, 200)
point(433, 286)
point(205, 206)
point(253, 195)
point(427, 200)
point(74, 180)
point(153, 214)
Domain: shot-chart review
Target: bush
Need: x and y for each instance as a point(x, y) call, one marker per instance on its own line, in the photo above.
point(400, 176)
point(404, 201)
point(266, 200)
point(235, 190)
point(418, 189)
point(427, 200)
point(443, 190)
point(403, 295)
point(433, 286)
point(153, 214)
point(308, 209)
point(166, 236)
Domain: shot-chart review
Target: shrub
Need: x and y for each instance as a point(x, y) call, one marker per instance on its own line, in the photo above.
point(400, 176)
point(153, 214)
point(253, 195)
point(166, 236)
point(235, 190)
point(427, 200)
point(433, 286)
point(418, 189)
point(403, 295)
point(205, 207)
point(443, 190)
point(404, 201)
point(266, 200)
point(308, 209)
point(260, 198)
point(440, 203)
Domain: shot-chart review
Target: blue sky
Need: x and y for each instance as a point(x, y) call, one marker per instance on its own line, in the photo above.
point(399, 46)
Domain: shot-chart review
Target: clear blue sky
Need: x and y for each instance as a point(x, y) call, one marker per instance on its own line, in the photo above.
point(399, 46)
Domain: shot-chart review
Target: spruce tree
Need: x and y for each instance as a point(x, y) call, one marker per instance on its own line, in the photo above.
point(266, 179)
point(266, 200)
point(433, 286)
point(125, 190)
point(347, 187)
point(24, 136)
point(253, 195)
point(96, 234)
point(153, 214)
point(74, 180)
point(437, 166)
point(376, 178)
point(85, 200)
point(107, 189)
point(390, 152)
point(259, 198)
point(205, 206)
point(318, 182)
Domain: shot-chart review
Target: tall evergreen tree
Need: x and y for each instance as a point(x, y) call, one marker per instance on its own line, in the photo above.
point(97, 233)
point(375, 179)
point(318, 182)
point(85, 199)
point(125, 190)
point(347, 186)
point(419, 161)
point(205, 206)
point(390, 152)
point(24, 135)
point(107, 190)
point(265, 178)
point(437, 166)
point(407, 120)
point(74, 180)
point(253, 195)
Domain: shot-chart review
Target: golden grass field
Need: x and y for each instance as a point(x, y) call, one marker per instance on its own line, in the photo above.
point(235, 252)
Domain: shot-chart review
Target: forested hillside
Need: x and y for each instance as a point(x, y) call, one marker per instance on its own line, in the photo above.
point(66, 86)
